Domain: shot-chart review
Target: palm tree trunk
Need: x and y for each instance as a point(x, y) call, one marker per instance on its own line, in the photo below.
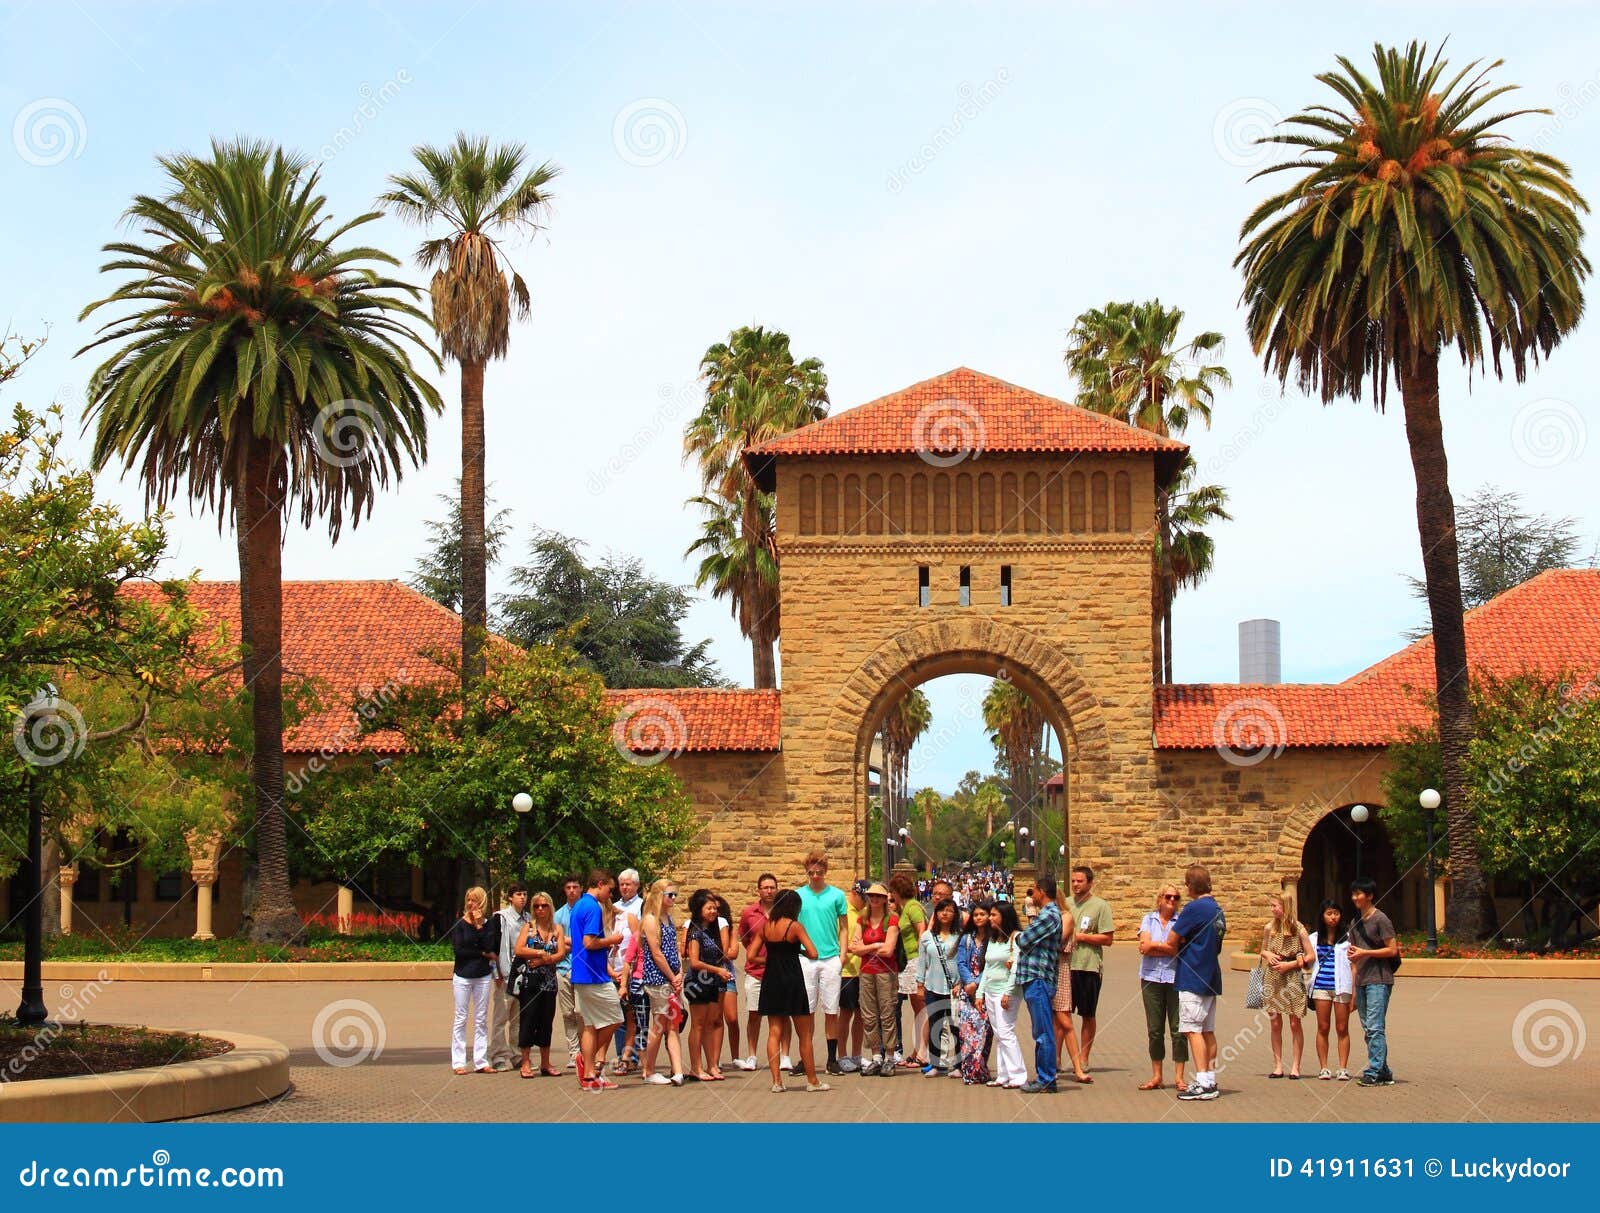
point(763, 662)
point(1166, 640)
point(474, 559)
point(261, 577)
point(1436, 524)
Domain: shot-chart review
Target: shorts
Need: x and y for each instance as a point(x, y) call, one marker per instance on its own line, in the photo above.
point(907, 983)
point(598, 1004)
point(822, 984)
point(1085, 992)
point(660, 1003)
point(1063, 999)
point(752, 992)
point(1197, 1012)
point(731, 986)
point(850, 994)
point(1330, 996)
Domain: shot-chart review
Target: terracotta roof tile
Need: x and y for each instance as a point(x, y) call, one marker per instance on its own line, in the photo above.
point(1548, 624)
point(965, 411)
point(690, 720)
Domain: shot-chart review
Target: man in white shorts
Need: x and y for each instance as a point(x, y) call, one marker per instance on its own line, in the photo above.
point(1196, 940)
point(824, 915)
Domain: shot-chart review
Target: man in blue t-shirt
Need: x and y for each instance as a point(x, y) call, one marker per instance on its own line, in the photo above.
point(1196, 940)
point(593, 988)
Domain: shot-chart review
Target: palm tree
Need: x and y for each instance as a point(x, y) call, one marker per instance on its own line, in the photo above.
point(755, 391)
point(1129, 365)
point(479, 193)
point(903, 726)
point(261, 367)
point(1016, 725)
point(1415, 224)
point(1192, 508)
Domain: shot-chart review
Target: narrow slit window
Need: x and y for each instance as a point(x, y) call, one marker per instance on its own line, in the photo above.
point(1005, 585)
point(966, 585)
point(923, 595)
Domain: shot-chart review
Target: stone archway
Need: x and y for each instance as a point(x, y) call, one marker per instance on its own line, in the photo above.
point(972, 645)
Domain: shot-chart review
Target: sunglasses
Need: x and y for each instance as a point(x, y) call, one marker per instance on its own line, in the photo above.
point(672, 896)
point(1169, 897)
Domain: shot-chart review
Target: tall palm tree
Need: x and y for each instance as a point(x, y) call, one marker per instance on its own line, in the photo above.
point(259, 366)
point(1414, 224)
point(1015, 726)
point(1193, 507)
point(903, 727)
point(755, 391)
point(1129, 365)
point(479, 193)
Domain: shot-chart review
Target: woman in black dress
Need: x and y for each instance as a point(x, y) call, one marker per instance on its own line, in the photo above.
point(540, 946)
point(783, 988)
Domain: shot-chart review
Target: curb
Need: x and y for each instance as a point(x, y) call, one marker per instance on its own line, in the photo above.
point(255, 1069)
point(1426, 966)
point(310, 970)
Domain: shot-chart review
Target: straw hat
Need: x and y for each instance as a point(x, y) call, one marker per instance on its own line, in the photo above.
point(876, 889)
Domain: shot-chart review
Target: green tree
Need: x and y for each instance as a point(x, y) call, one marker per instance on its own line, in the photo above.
point(438, 570)
point(478, 193)
point(1128, 365)
point(754, 391)
point(903, 725)
point(1533, 787)
point(259, 365)
point(625, 625)
point(1416, 223)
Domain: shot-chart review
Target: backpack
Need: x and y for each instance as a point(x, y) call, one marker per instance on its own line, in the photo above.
point(1366, 942)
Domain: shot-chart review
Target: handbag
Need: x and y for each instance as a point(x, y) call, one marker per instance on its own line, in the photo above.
point(1255, 992)
point(699, 983)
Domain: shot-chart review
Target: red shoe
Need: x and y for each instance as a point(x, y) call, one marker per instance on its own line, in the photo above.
point(583, 1072)
point(589, 1084)
point(602, 1084)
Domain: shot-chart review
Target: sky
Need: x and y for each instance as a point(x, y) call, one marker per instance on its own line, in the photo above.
point(902, 189)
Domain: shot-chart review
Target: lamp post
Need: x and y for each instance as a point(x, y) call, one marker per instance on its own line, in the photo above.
point(522, 805)
point(1428, 798)
point(1359, 815)
point(31, 1009)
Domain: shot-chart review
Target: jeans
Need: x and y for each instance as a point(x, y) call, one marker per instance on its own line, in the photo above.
point(1041, 1014)
point(1372, 1005)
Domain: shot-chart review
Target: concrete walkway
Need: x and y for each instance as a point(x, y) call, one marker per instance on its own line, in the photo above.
point(1463, 1050)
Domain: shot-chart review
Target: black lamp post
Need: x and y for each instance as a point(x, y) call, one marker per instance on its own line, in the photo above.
point(31, 1009)
point(522, 805)
point(1359, 815)
point(1428, 798)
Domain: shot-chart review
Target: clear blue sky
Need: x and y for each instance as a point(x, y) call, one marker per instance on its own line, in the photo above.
point(1078, 155)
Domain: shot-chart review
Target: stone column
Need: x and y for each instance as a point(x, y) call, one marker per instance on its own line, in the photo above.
point(347, 906)
point(68, 878)
point(204, 878)
point(1438, 901)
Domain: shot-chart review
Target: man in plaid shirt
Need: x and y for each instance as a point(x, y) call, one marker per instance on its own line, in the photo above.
point(1035, 975)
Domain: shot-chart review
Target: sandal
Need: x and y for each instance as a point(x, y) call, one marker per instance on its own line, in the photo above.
point(1085, 1079)
point(547, 1072)
point(461, 1070)
point(1155, 1084)
point(527, 1073)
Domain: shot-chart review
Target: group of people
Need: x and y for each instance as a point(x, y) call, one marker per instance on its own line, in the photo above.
point(630, 975)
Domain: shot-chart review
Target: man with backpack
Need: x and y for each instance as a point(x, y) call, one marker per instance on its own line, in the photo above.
point(504, 1009)
point(1375, 956)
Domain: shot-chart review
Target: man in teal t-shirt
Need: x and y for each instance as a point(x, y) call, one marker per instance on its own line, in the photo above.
point(823, 911)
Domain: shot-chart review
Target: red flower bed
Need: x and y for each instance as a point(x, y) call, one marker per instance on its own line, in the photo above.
point(383, 923)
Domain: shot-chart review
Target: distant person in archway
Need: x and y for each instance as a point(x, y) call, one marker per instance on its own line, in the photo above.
point(1092, 934)
point(1332, 989)
point(824, 914)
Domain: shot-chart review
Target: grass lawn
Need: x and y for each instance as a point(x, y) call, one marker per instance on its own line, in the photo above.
point(321, 945)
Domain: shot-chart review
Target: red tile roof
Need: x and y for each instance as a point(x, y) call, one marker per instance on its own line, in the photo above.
point(1548, 624)
point(362, 639)
point(964, 411)
point(691, 720)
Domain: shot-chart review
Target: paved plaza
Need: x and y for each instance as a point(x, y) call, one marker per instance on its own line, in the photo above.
point(1454, 1044)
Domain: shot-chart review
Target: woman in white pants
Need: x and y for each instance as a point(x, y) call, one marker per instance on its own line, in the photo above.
point(473, 940)
point(999, 998)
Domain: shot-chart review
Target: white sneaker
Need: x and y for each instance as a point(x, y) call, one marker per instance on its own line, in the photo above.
point(658, 1080)
point(1344, 1075)
point(745, 1063)
point(784, 1063)
point(849, 1065)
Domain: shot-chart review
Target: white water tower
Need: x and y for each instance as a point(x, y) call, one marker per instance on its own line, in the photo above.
point(1260, 652)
